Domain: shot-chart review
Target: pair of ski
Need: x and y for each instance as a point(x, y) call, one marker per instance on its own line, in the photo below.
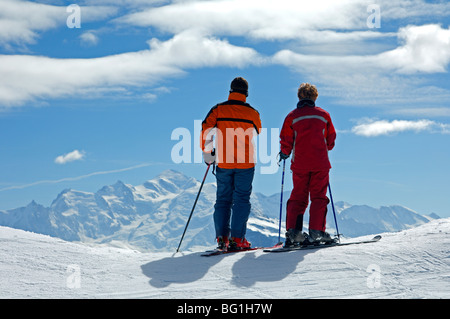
point(216, 252)
point(278, 248)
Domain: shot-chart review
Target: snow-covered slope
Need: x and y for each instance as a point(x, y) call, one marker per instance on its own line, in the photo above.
point(152, 216)
point(414, 263)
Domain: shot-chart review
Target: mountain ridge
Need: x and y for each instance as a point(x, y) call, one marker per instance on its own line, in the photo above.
point(152, 216)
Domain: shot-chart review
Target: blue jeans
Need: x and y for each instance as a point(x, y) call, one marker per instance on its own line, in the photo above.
point(234, 187)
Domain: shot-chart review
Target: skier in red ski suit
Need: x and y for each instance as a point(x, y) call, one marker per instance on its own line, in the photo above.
point(309, 134)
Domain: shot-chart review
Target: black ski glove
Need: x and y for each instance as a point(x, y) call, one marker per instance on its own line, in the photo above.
point(283, 156)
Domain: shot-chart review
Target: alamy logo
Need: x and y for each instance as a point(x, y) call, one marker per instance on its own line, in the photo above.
point(74, 18)
point(73, 280)
point(374, 279)
point(263, 147)
point(374, 19)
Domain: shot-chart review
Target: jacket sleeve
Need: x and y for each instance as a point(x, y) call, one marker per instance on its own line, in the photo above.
point(287, 136)
point(258, 123)
point(331, 135)
point(207, 133)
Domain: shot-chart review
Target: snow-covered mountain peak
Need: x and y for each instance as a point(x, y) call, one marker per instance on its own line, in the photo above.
point(119, 190)
point(33, 204)
point(71, 198)
point(167, 184)
point(175, 181)
point(152, 216)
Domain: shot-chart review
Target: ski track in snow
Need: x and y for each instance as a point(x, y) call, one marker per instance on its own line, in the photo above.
point(410, 264)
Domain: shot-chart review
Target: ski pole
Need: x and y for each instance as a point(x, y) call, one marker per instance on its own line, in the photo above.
point(334, 213)
point(195, 203)
point(281, 201)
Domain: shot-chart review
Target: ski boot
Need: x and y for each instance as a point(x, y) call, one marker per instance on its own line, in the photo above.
point(238, 244)
point(294, 238)
point(317, 237)
point(222, 243)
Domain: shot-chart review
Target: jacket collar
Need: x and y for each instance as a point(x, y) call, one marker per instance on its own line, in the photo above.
point(236, 96)
point(306, 102)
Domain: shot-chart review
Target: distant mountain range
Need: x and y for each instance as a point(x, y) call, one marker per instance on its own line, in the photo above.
point(152, 216)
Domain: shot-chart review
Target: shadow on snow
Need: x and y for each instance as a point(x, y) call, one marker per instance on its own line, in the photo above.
point(246, 271)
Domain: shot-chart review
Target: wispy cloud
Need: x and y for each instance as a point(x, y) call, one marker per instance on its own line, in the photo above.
point(258, 19)
point(26, 77)
point(75, 155)
point(21, 22)
point(372, 128)
point(386, 78)
point(203, 32)
point(77, 178)
point(424, 112)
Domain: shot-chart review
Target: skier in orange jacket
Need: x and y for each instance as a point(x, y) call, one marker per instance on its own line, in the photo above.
point(308, 133)
point(234, 123)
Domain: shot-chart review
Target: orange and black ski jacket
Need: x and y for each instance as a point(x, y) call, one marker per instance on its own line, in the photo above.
point(234, 124)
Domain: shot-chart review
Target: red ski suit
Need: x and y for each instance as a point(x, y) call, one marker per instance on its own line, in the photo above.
point(309, 134)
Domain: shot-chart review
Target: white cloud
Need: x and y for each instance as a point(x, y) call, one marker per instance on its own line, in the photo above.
point(426, 111)
point(127, 3)
point(411, 9)
point(260, 19)
point(328, 42)
point(75, 155)
point(371, 128)
point(319, 34)
point(26, 77)
point(382, 78)
point(280, 20)
point(426, 49)
point(22, 21)
point(89, 38)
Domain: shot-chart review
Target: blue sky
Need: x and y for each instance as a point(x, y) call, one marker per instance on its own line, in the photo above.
point(82, 106)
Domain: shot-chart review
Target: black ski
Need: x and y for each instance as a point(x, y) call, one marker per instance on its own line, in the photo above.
point(321, 245)
point(217, 252)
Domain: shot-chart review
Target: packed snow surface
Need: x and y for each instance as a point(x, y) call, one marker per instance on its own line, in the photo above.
point(413, 263)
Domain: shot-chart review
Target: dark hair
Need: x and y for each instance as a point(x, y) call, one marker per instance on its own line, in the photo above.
point(239, 85)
